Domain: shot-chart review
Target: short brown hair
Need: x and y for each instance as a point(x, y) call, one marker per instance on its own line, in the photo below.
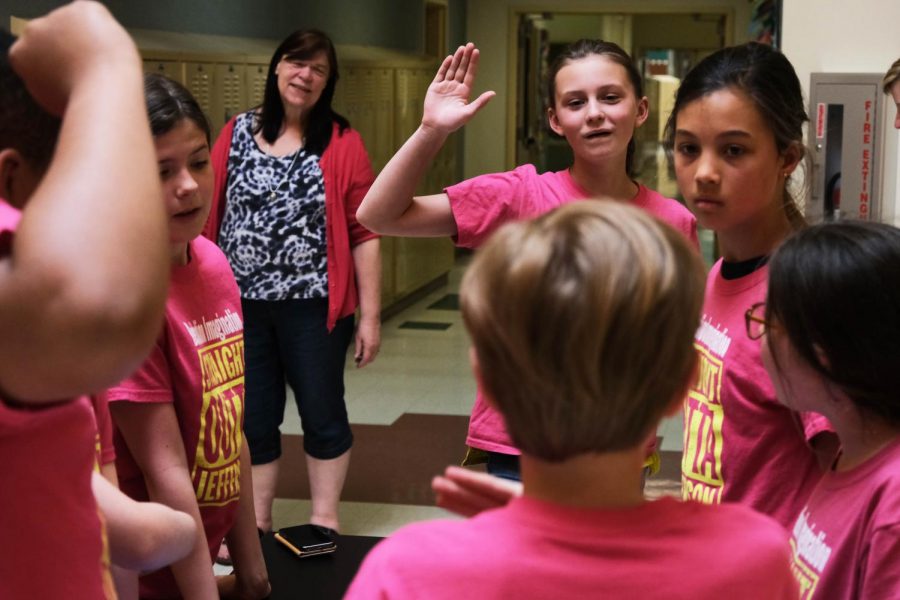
point(583, 322)
point(891, 77)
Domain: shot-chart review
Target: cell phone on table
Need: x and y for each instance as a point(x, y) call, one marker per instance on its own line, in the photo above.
point(306, 540)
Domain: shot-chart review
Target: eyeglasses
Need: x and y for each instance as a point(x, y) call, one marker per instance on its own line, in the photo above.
point(317, 69)
point(755, 321)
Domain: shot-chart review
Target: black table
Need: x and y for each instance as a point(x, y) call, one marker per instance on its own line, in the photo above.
point(317, 577)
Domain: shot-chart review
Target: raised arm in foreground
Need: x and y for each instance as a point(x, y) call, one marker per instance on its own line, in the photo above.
point(83, 290)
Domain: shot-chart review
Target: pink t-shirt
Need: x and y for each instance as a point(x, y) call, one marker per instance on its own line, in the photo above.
point(846, 541)
point(198, 365)
point(533, 549)
point(740, 443)
point(48, 515)
point(482, 204)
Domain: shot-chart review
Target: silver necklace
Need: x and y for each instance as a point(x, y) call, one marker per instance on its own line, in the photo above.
point(273, 189)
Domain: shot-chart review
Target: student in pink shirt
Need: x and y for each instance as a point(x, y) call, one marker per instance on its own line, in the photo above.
point(568, 315)
point(595, 101)
point(831, 326)
point(79, 303)
point(179, 417)
point(736, 135)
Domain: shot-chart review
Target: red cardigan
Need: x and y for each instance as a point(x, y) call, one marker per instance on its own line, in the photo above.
point(348, 175)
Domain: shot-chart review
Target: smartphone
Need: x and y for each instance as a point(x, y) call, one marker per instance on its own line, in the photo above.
point(307, 540)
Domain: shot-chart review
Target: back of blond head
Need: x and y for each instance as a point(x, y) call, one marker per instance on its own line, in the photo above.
point(582, 322)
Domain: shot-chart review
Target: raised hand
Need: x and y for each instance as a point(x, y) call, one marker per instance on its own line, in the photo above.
point(61, 50)
point(447, 106)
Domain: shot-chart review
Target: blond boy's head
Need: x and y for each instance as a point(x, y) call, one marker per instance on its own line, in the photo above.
point(582, 324)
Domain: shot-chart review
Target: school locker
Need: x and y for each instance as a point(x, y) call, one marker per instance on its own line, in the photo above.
point(230, 96)
point(389, 293)
point(365, 106)
point(256, 84)
point(382, 147)
point(199, 80)
point(170, 68)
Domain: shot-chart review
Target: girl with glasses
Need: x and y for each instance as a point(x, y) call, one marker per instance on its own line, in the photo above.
point(832, 347)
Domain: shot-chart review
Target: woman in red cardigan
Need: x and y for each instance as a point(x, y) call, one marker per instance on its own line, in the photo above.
point(289, 177)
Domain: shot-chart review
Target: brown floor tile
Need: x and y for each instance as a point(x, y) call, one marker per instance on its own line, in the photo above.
point(391, 464)
point(394, 464)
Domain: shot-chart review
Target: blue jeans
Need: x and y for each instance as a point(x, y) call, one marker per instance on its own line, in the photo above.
point(288, 340)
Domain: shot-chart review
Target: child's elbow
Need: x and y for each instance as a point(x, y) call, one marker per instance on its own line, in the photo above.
point(168, 537)
point(138, 325)
point(365, 217)
point(74, 338)
point(181, 536)
point(122, 327)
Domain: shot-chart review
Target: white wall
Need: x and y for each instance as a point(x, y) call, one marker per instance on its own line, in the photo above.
point(832, 36)
point(488, 25)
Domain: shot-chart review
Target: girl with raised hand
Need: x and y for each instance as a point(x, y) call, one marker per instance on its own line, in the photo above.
point(595, 101)
point(832, 346)
point(736, 135)
point(179, 417)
